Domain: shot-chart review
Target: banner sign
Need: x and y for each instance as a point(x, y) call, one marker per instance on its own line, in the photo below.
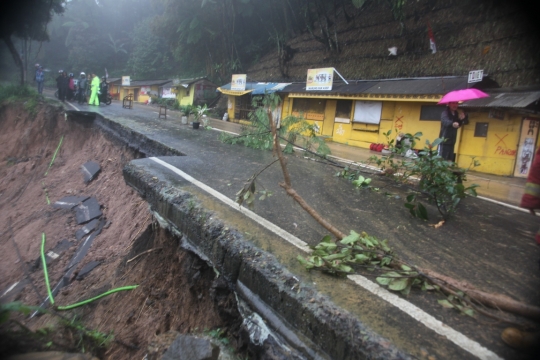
point(526, 147)
point(238, 82)
point(125, 81)
point(320, 79)
point(476, 76)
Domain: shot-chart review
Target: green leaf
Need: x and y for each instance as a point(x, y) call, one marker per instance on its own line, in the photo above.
point(422, 212)
point(345, 268)
point(383, 280)
point(327, 239)
point(469, 311)
point(350, 239)
point(437, 142)
point(445, 303)
point(405, 267)
point(398, 284)
point(334, 256)
point(410, 197)
point(361, 258)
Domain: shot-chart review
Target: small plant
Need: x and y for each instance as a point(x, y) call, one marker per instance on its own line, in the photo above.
point(440, 181)
point(361, 182)
point(187, 110)
point(199, 113)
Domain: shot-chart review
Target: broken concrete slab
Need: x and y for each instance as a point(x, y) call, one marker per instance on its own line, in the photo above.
point(186, 347)
point(86, 269)
point(83, 249)
point(86, 229)
point(51, 254)
point(90, 170)
point(69, 202)
point(88, 210)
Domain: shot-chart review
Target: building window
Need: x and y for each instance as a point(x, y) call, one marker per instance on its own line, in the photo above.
point(431, 112)
point(367, 112)
point(481, 129)
point(311, 109)
point(343, 109)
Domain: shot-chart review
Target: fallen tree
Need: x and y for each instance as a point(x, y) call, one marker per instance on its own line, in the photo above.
point(346, 254)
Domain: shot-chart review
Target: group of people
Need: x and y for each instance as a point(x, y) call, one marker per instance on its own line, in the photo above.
point(70, 88)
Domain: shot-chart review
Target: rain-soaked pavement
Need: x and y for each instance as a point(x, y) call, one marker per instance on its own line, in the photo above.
point(487, 244)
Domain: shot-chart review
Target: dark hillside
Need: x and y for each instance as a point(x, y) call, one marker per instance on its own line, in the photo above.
point(496, 36)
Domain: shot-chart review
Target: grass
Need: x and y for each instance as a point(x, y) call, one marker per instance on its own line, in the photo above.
point(63, 334)
point(17, 93)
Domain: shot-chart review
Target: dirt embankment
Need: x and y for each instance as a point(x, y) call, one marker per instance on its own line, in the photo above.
point(177, 292)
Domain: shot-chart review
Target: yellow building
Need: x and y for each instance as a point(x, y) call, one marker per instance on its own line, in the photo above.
point(142, 90)
point(360, 113)
point(239, 102)
point(195, 91)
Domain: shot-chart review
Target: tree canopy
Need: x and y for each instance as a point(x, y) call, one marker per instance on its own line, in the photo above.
point(27, 19)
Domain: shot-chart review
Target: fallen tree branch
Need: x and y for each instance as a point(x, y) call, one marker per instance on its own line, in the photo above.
point(497, 301)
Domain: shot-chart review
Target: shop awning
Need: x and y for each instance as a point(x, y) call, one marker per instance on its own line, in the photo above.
point(258, 88)
point(509, 99)
point(233, 92)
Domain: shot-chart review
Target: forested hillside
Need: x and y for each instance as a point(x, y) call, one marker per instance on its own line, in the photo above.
point(278, 40)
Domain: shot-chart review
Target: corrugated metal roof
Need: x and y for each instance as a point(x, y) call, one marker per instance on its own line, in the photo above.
point(260, 88)
point(135, 83)
point(518, 99)
point(416, 86)
point(432, 86)
point(354, 87)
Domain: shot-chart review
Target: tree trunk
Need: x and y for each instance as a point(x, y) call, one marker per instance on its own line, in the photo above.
point(16, 56)
point(496, 301)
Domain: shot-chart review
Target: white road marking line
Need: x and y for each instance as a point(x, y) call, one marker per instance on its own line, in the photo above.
point(10, 288)
point(429, 321)
point(267, 224)
point(73, 106)
point(416, 313)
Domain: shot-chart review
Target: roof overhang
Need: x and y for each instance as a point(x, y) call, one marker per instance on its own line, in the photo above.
point(429, 98)
point(233, 92)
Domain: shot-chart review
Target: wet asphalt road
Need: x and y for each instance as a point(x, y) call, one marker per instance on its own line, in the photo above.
point(486, 244)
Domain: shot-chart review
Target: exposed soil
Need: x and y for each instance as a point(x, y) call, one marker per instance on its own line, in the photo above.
point(177, 291)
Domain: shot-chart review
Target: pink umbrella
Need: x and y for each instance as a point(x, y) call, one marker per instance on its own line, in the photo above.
point(462, 95)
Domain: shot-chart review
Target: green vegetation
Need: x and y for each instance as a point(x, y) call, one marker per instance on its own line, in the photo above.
point(65, 335)
point(294, 131)
point(440, 182)
point(25, 94)
point(373, 257)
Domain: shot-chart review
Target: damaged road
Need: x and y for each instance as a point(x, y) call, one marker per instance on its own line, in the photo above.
point(255, 251)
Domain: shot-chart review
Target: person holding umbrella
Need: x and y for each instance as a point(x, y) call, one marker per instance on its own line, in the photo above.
point(451, 119)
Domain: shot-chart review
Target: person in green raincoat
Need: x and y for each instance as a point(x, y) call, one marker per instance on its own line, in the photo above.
point(94, 99)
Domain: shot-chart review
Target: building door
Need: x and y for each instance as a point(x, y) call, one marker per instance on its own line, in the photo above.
point(136, 94)
point(526, 147)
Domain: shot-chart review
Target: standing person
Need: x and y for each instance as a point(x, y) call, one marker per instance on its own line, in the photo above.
point(71, 87)
point(59, 83)
point(83, 84)
point(63, 84)
point(94, 100)
point(451, 120)
point(40, 79)
point(103, 89)
point(89, 85)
